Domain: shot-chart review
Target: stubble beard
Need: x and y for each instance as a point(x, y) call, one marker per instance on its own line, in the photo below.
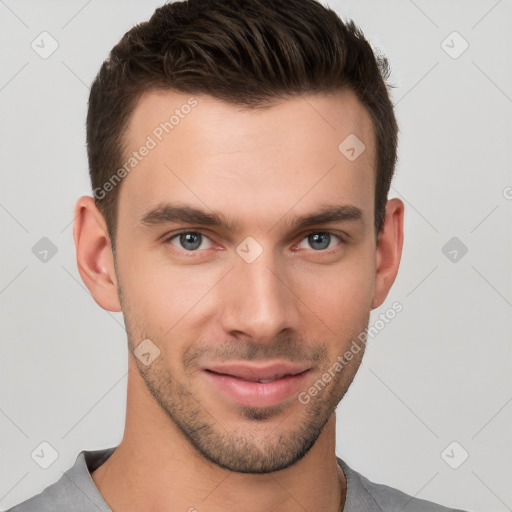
point(259, 445)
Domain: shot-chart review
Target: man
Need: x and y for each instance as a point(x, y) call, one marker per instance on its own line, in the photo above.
point(240, 154)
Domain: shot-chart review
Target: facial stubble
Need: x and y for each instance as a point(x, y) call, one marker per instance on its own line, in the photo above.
point(268, 439)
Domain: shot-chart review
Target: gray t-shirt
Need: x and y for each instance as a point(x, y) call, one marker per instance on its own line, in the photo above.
point(75, 491)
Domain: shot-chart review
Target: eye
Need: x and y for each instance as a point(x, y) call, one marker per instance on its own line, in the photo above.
point(189, 241)
point(320, 240)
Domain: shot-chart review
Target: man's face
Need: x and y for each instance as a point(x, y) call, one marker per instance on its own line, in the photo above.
point(258, 295)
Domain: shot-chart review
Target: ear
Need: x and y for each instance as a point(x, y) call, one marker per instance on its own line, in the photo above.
point(389, 250)
point(94, 256)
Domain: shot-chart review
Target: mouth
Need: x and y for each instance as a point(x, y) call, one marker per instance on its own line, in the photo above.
point(258, 373)
point(257, 386)
point(256, 378)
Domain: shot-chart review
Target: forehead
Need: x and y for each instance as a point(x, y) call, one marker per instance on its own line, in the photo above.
point(293, 155)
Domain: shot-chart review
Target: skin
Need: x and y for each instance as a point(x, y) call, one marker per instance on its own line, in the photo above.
point(186, 446)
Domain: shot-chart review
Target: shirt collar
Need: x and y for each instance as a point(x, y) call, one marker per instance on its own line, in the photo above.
point(358, 499)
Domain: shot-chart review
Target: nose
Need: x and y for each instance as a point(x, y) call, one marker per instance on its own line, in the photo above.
point(258, 300)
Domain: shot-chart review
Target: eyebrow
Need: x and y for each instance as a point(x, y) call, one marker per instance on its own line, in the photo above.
point(176, 213)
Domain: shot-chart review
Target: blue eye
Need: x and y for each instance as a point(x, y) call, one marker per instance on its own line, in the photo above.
point(194, 241)
point(189, 240)
point(320, 240)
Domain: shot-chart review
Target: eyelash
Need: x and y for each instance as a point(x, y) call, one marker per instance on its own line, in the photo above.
point(168, 239)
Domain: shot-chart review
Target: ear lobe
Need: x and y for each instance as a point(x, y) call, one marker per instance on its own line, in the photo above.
point(94, 256)
point(389, 250)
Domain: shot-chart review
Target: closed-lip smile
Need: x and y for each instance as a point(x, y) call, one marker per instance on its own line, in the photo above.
point(257, 385)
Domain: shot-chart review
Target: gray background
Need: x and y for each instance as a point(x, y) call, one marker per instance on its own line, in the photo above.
point(438, 373)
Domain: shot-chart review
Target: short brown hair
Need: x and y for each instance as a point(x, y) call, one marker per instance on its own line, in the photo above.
point(245, 52)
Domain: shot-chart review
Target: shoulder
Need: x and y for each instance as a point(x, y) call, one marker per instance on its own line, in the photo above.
point(383, 497)
point(54, 498)
point(74, 491)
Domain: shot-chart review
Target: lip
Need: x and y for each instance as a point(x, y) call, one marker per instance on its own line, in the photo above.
point(255, 372)
point(239, 382)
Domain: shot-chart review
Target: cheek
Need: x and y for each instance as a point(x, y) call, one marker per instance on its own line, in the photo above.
point(164, 297)
point(343, 307)
point(339, 294)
